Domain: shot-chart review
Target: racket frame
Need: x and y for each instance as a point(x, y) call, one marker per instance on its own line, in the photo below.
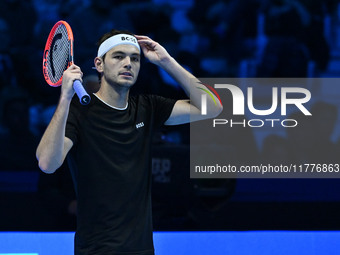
point(47, 51)
point(80, 91)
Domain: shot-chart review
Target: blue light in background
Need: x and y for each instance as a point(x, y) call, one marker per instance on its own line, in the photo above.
point(184, 243)
point(19, 254)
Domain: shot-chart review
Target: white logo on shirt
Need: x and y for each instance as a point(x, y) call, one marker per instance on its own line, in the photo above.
point(139, 125)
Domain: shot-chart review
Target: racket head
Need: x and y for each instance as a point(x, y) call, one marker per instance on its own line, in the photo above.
point(58, 53)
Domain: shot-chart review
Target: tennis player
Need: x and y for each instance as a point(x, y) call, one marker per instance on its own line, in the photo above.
point(107, 143)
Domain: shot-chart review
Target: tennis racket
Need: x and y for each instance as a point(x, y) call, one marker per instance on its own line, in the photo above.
point(58, 56)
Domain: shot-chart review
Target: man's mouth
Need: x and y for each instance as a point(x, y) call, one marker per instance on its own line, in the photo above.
point(126, 74)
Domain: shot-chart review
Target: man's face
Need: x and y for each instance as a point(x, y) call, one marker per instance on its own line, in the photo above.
point(121, 65)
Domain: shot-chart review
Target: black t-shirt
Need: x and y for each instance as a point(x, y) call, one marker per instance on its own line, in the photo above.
point(110, 166)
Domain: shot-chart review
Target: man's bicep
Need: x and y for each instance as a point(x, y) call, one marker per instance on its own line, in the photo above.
point(183, 112)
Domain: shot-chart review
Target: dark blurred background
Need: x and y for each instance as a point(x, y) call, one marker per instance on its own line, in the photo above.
point(231, 38)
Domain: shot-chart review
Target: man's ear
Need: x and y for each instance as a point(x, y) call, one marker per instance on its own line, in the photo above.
point(98, 63)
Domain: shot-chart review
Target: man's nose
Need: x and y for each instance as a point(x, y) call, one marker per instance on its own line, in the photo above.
point(127, 63)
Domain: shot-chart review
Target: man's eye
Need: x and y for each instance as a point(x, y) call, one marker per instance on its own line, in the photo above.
point(118, 57)
point(135, 59)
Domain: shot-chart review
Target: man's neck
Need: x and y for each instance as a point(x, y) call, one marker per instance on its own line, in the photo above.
point(113, 95)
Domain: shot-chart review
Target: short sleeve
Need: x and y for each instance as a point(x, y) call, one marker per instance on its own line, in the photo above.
point(71, 130)
point(162, 109)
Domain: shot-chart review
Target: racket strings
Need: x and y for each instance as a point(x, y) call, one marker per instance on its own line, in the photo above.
point(59, 55)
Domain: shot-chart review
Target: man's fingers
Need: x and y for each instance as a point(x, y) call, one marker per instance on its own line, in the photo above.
point(73, 66)
point(75, 69)
point(142, 37)
point(145, 41)
point(148, 44)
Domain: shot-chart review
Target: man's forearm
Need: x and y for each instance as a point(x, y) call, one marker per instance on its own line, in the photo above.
point(190, 84)
point(183, 77)
point(50, 151)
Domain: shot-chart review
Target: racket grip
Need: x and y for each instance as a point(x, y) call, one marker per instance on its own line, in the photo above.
point(84, 98)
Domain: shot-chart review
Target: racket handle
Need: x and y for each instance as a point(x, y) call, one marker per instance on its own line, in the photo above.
point(84, 98)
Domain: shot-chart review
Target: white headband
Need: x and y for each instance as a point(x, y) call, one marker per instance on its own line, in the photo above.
point(115, 40)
